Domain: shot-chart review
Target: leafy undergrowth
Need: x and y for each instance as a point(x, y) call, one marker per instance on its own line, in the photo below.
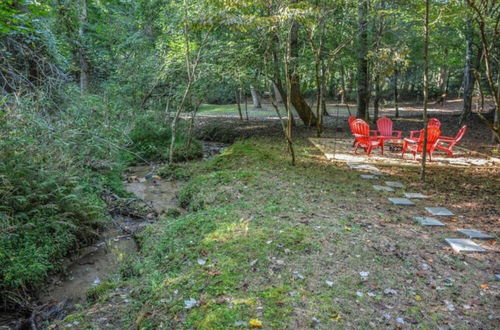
point(53, 172)
point(150, 141)
point(292, 247)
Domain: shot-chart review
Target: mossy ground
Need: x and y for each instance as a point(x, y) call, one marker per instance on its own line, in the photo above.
point(262, 239)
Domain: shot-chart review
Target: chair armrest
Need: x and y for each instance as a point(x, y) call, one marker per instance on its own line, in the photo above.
point(446, 138)
point(359, 135)
point(410, 140)
point(397, 134)
point(413, 133)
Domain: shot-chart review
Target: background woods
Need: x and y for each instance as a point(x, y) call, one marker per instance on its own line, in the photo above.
point(90, 87)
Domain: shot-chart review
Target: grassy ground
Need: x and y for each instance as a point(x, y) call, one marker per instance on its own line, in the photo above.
point(303, 247)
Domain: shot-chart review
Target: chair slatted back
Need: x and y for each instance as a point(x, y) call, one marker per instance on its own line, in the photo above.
point(360, 127)
point(384, 126)
point(434, 122)
point(433, 134)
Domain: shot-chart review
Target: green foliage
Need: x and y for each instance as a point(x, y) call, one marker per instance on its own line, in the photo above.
point(151, 140)
point(99, 291)
point(47, 206)
point(174, 171)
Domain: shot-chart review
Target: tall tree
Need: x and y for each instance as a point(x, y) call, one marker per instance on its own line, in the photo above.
point(296, 97)
point(426, 88)
point(469, 79)
point(362, 60)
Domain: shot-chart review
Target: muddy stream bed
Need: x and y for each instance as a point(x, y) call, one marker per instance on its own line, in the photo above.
point(96, 263)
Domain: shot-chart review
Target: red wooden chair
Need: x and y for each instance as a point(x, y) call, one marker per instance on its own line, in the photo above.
point(385, 131)
point(373, 133)
point(415, 147)
point(446, 143)
point(433, 122)
point(350, 120)
point(361, 131)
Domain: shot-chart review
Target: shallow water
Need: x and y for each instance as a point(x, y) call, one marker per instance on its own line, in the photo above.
point(97, 262)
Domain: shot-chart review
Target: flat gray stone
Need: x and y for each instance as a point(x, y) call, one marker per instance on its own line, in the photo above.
point(382, 188)
point(473, 233)
point(378, 173)
point(428, 221)
point(497, 277)
point(401, 201)
point(360, 166)
point(439, 211)
point(415, 195)
point(464, 245)
point(368, 177)
point(395, 184)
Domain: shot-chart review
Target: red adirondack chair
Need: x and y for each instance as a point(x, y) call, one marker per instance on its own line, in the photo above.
point(415, 147)
point(385, 131)
point(446, 143)
point(433, 122)
point(361, 131)
point(373, 133)
point(350, 120)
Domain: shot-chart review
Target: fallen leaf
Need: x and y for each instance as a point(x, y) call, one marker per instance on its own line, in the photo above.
point(418, 298)
point(336, 317)
point(485, 286)
point(255, 323)
point(347, 228)
point(214, 272)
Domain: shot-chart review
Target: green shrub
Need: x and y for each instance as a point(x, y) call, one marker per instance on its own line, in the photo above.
point(150, 139)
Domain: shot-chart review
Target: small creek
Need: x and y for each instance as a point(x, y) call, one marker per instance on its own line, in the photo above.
point(95, 263)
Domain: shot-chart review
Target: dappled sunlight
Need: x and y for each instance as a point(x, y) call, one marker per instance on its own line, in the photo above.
point(342, 150)
point(228, 232)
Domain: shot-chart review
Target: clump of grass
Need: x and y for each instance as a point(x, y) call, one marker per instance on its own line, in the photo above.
point(99, 291)
point(150, 139)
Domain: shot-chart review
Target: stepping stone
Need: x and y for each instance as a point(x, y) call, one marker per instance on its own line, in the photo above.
point(368, 177)
point(415, 195)
point(497, 277)
point(395, 184)
point(439, 211)
point(473, 233)
point(382, 188)
point(359, 166)
point(401, 201)
point(379, 173)
point(428, 221)
point(466, 245)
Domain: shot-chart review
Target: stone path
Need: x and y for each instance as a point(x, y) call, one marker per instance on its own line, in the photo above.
point(457, 244)
point(473, 233)
point(428, 221)
point(466, 245)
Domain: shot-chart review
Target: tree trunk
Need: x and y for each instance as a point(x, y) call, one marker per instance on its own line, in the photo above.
point(396, 92)
point(255, 97)
point(342, 81)
point(246, 106)
point(297, 100)
point(469, 78)
point(426, 88)
point(84, 65)
point(376, 101)
point(238, 101)
point(277, 93)
point(362, 78)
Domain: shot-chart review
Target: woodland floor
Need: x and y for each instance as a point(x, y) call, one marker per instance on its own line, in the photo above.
point(307, 246)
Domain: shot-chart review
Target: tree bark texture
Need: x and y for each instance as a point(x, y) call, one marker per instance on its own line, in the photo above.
point(362, 61)
point(297, 99)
